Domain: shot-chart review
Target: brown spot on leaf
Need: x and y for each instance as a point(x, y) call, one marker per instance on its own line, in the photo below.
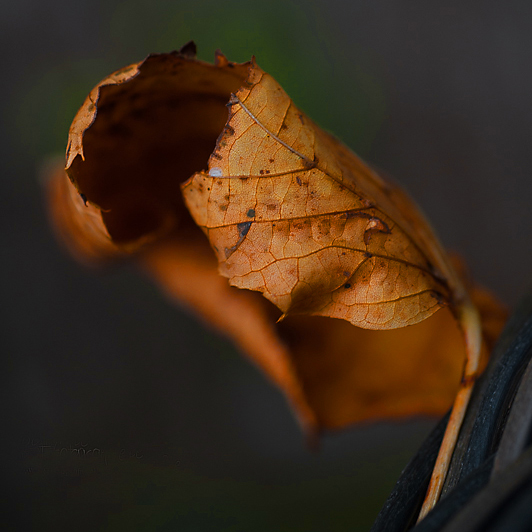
point(308, 164)
point(243, 228)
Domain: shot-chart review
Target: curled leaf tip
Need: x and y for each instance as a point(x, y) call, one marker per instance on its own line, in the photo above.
point(189, 50)
point(219, 59)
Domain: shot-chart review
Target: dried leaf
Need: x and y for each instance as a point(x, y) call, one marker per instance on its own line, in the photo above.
point(290, 212)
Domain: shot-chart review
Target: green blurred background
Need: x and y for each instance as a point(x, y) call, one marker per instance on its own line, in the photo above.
point(183, 433)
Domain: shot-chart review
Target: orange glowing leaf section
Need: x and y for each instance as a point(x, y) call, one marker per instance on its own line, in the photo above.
point(292, 213)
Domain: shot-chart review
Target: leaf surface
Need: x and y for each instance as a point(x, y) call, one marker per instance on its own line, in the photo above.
point(292, 213)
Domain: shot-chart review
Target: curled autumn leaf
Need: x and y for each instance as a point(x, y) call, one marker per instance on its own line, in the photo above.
point(279, 207)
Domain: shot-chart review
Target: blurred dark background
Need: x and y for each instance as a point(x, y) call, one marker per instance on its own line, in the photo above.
point(124, 412)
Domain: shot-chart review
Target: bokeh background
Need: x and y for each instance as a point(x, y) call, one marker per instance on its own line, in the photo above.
point(122, 411)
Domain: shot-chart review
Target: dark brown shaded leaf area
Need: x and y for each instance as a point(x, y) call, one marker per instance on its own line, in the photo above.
point(281, 209)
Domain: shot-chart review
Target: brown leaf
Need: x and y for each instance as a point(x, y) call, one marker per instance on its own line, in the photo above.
point(290, 212)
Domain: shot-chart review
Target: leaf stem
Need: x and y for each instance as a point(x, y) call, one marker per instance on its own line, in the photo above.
point(469, 320)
